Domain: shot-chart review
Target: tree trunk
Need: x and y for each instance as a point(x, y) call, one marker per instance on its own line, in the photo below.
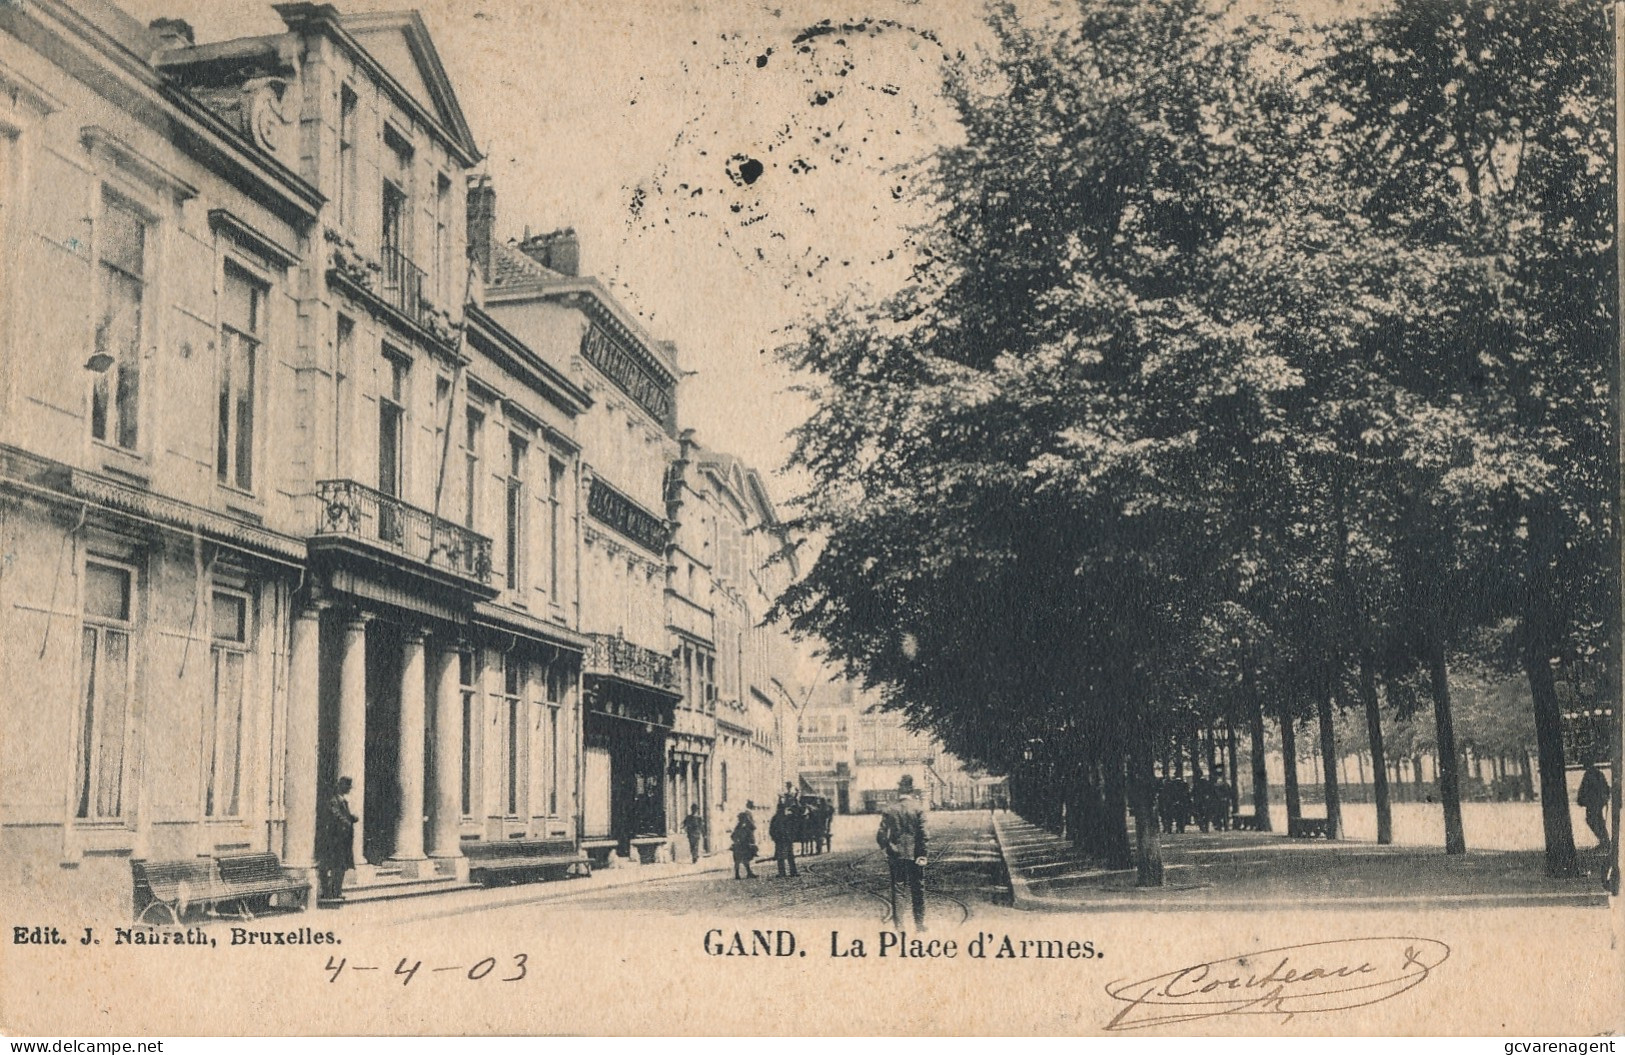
point(1554, 788)
point(1328, 752)
point(1527, 773)
point(1455, 839)
point(1116, 852)
point(1147, 832)
point(1379, 763)
point(1235, 778)
point(1289, 761)
point(1261, 782)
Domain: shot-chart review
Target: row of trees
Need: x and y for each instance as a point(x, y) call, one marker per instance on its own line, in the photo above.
point(1252, 369)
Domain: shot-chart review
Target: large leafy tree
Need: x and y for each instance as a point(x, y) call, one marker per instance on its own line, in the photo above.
point(1487, 128)
point(1244, 366)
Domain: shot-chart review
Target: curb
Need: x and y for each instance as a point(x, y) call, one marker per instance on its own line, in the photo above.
point(535, 893)
point(1024, 898)
point(1021, 895)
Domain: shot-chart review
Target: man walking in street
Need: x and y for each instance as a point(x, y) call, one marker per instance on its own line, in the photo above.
point(743, 843)
point(782, 830)
point(694, 827)
point(902, 836)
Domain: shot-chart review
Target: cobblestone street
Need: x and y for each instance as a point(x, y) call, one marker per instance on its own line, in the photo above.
point(964, 880)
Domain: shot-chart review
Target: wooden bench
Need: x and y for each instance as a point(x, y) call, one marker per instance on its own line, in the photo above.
point(515, 860)
point(1245, 822)
point(1307, 828)
point(166, 891)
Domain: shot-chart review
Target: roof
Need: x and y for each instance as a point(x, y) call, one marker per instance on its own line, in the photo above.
point(394, 48)
point(739, 477)
point(511, 268)
point(516, 277)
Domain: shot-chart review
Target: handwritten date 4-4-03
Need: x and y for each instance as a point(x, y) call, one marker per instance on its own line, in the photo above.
point(1292, 980)
point(506, 969)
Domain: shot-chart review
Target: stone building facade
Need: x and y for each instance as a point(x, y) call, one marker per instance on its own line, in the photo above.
point(305, 475)
point(151, 253)
point(627, 443)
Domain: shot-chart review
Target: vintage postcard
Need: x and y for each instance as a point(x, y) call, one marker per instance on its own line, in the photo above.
point(1094, 517)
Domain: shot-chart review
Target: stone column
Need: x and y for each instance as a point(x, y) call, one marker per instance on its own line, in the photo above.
point(352, 751)
point(409, 772)
point(300, 795)
point(446, 795)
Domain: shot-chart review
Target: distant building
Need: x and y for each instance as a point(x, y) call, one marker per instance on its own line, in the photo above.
point(826, 733)
point(725, 578)
point(855, 753)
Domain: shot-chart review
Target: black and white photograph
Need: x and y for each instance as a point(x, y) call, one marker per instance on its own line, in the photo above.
point(811, 518)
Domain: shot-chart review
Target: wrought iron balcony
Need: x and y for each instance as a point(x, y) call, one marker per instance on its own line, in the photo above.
point(347, 509)
point(618, 657)
point(401, 284)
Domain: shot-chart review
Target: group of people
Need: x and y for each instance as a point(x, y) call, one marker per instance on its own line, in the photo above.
point(1203, 802)
point(901, 835)
point(797, 822)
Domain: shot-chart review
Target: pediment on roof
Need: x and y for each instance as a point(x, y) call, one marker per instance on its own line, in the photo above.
point(401, 44)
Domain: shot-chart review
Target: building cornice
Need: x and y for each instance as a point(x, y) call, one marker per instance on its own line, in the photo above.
point(89, 54)
point(324, 19)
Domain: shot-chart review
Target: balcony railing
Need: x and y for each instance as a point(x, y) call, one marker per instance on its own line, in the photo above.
point(401, 284)
point(616, 656)
point(354, 510)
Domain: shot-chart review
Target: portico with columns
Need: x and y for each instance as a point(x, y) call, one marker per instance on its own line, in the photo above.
point(450, 730)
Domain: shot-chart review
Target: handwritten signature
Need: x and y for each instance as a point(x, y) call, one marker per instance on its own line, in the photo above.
point(1292, 980)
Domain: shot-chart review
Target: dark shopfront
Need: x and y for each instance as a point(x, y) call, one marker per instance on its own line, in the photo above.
point(626, 730)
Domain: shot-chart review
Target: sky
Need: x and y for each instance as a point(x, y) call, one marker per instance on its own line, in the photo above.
point(729, 167)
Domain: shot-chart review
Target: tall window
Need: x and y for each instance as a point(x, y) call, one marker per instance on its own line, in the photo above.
point(392, 425)
point(556, 678)
point(442, 433)
point(467, 675)
point(347, 155)
point(344, 338)
point(242, 322)
point(555, 527)
point(115, 400)
point(472, 427)
point(512, 729)
point(514, 538)
point(223, 793)
point(396, 195)
point(445, 295)
point(104, 691)
point(553, 761)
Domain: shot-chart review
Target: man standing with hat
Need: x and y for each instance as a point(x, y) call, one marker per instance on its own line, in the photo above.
point(902, 836)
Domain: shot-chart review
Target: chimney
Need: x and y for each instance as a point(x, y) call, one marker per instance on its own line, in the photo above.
point(564, 252)
point(559, 250)
point(173, 33)
point(482, 221)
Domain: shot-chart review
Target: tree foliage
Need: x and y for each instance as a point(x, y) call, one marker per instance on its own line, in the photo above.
point(1242, 357)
